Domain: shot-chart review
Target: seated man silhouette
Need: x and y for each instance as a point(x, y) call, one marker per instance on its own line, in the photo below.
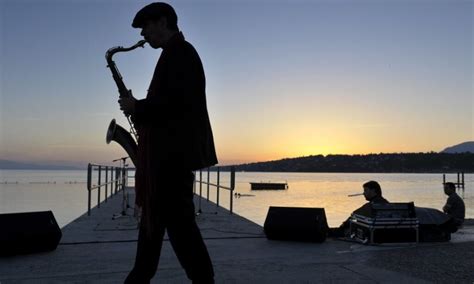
point(436, 226)
point(454, 206)
point(373, 194)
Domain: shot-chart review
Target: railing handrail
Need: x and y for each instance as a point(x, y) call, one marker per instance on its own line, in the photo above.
point(120, 181)
point(216, 185)
point(110, 166)
point(230, 188)
point(102, 184)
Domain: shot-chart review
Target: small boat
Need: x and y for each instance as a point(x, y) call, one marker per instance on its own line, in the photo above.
point(268, 185)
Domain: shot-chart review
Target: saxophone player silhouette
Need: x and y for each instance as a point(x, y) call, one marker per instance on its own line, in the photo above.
point(174, 139)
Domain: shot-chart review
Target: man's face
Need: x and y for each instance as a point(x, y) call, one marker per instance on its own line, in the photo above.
point(369, 193)
point(154, 32)
point(448, 190)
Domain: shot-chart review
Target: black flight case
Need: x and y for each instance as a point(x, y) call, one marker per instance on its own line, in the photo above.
point(384, 223)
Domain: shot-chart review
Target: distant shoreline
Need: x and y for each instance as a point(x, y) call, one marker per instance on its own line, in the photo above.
point(341, 172)
point(431, 162)
point(15, 165)
point(369, 163)
point(214, 169)
point(44, 169)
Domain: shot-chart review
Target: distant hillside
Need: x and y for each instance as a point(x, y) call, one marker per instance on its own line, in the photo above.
point(372, 163)
point(13, 165)
point(460, 148)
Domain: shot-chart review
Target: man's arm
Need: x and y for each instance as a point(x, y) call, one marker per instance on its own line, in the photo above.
point(449, 204)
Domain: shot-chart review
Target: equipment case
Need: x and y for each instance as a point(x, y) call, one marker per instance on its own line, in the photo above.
point(385, 223)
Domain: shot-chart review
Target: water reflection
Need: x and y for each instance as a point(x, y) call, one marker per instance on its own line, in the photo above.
point(331, 190)
point(328, 190)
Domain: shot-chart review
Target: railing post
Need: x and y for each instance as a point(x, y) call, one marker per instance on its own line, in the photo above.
point(89, 181)
point(106, 182)
point(112, 192)
point(98, 189)
point(124, 173)
point(218, 185)
point(200, 190)
point(208, 170)
point(232, 186)
point(117, 174)
point(114, 179)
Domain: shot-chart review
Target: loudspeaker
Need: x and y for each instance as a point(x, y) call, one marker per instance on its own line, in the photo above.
point(23, 233)
point(296, 224)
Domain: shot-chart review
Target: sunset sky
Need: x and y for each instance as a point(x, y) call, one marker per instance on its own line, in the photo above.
point(284, 78)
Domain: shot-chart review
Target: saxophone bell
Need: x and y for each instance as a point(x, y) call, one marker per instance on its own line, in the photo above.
point(118, 134)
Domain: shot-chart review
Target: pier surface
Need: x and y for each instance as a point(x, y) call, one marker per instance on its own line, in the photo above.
point(101, 249)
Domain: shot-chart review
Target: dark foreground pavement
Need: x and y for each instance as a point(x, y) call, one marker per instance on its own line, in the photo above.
point(98, 249)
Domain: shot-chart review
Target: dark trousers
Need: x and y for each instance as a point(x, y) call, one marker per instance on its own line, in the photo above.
point(175, 214)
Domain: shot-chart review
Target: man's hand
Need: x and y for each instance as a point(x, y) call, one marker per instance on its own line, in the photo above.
point(127, 105)
point(446, 208)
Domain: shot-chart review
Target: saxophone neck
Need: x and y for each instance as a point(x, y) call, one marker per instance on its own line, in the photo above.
point(111, 51)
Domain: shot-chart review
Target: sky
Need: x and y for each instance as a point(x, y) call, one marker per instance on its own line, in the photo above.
point(284, 78)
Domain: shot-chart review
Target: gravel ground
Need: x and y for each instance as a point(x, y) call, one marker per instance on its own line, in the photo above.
point(440, 263)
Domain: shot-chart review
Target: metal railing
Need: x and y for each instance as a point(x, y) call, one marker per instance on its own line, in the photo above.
point(118, 179)
point(218, 186)
point(117, 182)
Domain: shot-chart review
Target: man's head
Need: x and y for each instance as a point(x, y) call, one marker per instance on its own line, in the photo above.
point(158, 22)
point(371, 189)
point(449, 188)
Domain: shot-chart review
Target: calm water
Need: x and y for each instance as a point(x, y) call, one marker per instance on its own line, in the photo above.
point(327, 190)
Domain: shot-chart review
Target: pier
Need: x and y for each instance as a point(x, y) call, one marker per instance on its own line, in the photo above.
point(459, 183)
point(99, 248)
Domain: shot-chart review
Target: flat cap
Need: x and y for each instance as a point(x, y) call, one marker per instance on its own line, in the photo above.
point(155, 11)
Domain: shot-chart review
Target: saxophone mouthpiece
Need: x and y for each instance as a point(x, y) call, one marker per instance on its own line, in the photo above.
point(355, 194)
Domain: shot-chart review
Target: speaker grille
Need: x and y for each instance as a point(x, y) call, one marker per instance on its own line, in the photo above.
point(296, 224)
point(30, 232)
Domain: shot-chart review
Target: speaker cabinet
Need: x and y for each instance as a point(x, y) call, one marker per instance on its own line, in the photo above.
point(23, 233)
point(296, 224)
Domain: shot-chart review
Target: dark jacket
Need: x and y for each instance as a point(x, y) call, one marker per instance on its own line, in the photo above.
point(172, 121)
point(455, 208)
point(378, 200)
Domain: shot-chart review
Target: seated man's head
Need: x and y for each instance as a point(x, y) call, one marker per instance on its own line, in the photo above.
point(449, 188)
point(371, 190)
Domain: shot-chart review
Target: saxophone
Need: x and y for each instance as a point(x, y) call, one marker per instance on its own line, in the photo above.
point(115, 132)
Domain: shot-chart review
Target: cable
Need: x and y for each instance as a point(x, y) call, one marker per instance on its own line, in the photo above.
point(135, 240)
point(232, 232)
